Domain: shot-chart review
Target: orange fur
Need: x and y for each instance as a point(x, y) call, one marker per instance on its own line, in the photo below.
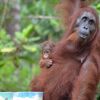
point(76, 69)
point(66, 8)
point(47, 49)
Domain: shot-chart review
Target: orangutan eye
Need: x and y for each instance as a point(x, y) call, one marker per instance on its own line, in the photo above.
point(84, 19)
point(91, 22)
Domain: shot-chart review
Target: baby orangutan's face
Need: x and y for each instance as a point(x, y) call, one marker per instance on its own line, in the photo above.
point(46, 52)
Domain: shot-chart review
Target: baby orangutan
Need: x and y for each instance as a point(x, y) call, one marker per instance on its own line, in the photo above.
point(47, 49)
point(46, 62)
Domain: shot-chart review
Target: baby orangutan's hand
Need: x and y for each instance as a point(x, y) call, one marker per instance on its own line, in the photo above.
point(46, 63)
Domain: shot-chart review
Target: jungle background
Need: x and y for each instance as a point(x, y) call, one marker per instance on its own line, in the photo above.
point(24, 25)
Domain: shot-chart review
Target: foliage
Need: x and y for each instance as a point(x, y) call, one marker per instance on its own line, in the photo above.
point(20, 53)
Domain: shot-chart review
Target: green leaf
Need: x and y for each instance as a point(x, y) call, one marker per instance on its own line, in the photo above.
point(30, 48)
point(98, 6)
point(27, 30)
point(7, 50)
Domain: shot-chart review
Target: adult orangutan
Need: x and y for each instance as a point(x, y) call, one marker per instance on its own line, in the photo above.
point(75, 72)
point(66, 9)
